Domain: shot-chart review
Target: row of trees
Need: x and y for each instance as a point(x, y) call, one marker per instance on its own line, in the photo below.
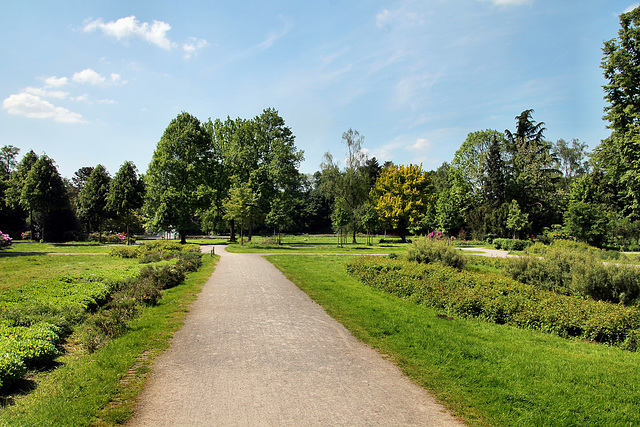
point(241, 175)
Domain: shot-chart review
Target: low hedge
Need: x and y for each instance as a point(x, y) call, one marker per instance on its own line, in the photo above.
point(502, 300)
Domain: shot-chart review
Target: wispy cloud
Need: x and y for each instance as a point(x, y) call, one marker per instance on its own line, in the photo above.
point(154, 33)
point(273, 36)
point(192, 47)
point(400, 17)
point(34, 107)
point(631, 7)
point(44, 93)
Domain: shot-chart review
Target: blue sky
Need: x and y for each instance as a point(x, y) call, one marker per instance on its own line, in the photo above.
point(90, 82)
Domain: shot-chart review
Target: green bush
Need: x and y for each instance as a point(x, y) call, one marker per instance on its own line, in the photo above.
point(511, 244)
point(426, 250)
point(11, 368)
point(500, 299)
point(572, 268)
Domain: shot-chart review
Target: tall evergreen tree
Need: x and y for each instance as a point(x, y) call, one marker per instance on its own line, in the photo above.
point(126, 195)
point(92, 200)
point(619, 154)
point(43, 192)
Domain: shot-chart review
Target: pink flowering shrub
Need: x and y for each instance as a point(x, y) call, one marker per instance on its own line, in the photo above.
point(5, 240)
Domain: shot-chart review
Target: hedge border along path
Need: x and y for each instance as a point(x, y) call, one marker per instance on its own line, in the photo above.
point(501, 300)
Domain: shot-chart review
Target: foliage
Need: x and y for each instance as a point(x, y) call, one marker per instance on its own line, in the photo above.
point(5, 240)
point(575, 268)
point(92, 199)
point(511, 244)
point(618, 155)
point(426, 250)
point(348, 188)
point(401, 196)
point(126, 195)
point(498, 299)
point(183, 165)
point(43, 191)
point(241, 205)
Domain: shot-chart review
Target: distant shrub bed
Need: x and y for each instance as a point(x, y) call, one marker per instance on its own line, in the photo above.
point(501, 300)
point(35, 317)
point(511, 244)
point(577, 269)
point(426, 250)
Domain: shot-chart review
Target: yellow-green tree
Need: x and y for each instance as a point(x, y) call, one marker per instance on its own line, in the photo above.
point(402, 196)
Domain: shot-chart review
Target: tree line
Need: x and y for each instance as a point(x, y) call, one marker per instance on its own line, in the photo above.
point(241, 176)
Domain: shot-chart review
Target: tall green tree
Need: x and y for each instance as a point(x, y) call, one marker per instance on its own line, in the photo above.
point(92, 200)
point(349, 187)
point(241, 205)
point(179, 176)
point(402, 196)
point(43, 192)
point(619, 154)
point(533, 172)
point(126, 195)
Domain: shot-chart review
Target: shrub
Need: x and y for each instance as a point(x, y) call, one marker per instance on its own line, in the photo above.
point(428, 250)
point(511, 244)
point(5, 240)
point(11, 368)
point(161, 276)
point(576, 268)
point(499, 299)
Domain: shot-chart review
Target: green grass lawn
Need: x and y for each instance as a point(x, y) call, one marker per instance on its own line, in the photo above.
point(318, 244)
point(487, 374)
point(70, 248)
point(101, 388)
point(16, 270)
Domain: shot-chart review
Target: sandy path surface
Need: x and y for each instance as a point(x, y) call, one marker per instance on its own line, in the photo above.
point(256, 351)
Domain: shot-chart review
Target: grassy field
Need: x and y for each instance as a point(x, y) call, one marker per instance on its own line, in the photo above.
point(98, 388)
point(319, 244)
point(488, 374)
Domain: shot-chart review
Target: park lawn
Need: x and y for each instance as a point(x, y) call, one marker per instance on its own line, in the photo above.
point(16, 270)
point(101, 388)
point(70, 248)
point(318, 244)
point(487, 374)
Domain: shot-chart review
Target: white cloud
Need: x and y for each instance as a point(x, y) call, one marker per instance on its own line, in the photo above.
point(58, 94)
point(92, 77)
point(55, 81)
point(631, 8)
point(34, 107)
point(192, 47)
point(421, 145)
point(129, 27)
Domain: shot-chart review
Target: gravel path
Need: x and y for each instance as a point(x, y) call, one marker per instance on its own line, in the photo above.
point(255, 350)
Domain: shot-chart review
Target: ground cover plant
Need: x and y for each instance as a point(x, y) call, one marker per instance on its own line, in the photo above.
point(488, 374)
point(101, 388)
point(37, 315)
point(502, 300)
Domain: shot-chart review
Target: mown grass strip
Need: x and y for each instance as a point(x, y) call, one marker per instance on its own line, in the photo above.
point(100, 388)
point(487, 374)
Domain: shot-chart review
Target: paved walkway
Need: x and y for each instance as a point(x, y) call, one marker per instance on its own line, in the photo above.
point(256, 351)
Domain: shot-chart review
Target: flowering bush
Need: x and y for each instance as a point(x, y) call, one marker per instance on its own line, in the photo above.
point(26, 235)
point(436, 235)
point(5, 240)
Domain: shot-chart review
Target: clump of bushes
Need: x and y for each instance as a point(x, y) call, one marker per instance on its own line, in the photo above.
point(427, 250)
point(511, 244)
point(502, 300)
point(571, 268)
